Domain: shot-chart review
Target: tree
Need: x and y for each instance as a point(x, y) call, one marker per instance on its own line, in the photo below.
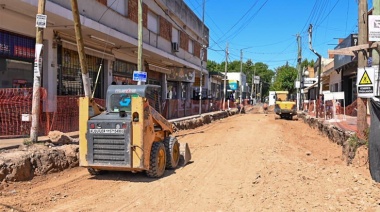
point(248, 68)
point(213, 66)
point(284, 79)
point(306, 63)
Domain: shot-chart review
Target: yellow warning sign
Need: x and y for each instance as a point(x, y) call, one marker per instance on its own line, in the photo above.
point(365, 80)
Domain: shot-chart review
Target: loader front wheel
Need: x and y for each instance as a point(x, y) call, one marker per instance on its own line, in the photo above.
point(157, 160)
point(172, 152)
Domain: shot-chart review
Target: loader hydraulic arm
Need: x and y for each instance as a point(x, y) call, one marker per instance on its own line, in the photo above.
point(161, 121)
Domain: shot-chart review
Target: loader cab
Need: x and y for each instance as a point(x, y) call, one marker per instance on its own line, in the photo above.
point(119, 97)
point(281, 96)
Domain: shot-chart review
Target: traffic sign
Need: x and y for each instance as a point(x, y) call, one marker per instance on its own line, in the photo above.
point(139, 76)
point(365, 79)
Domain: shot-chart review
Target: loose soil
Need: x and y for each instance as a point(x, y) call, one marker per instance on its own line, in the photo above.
point(246, 162)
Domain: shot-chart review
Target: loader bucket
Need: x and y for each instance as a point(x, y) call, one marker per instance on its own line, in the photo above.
point(185, 153)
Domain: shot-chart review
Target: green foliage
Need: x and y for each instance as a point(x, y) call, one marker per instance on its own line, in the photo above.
point(248, 68)
point(27, 141)
point(213, 66)
point(284, 79)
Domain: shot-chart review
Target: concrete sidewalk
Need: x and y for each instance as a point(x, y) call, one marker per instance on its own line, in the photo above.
point(12, 143)
point(16, 142)
point(344, 122)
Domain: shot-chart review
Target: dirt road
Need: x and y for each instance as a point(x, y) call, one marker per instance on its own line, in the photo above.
point(247, 162)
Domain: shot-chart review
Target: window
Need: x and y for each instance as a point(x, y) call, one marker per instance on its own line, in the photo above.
point(120, 102)
point(191, 46)
point(120, 6)
point(152, 22)
point(175, 35)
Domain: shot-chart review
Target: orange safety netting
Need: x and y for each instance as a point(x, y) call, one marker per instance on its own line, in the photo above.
point(16, 108)
point(14, 102)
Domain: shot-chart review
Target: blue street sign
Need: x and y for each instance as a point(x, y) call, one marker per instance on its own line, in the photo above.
point(139, 76)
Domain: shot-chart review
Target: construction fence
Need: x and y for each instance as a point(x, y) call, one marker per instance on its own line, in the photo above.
point(16, 111)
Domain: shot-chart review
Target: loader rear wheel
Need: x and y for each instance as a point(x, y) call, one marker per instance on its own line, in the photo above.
point(95, 172)
point(172, 152)
point(157, 160)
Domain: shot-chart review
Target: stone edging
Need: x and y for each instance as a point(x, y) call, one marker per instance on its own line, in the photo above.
point(335, 134)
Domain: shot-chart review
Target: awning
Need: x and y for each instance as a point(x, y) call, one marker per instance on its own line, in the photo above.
point(313, 85)
point(310, 87)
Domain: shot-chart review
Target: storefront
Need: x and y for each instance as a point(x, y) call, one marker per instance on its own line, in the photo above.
point(216, 80)
point(16, 60)
point(347, 66)
point(122, 72)
point(178, 83)
point(70, 75)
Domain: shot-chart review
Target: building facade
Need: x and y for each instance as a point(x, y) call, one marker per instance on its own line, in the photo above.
point(174, 39)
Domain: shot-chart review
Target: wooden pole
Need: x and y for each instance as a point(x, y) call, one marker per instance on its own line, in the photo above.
point(362, 124)
point(225, 79)
point(202, 57)
point(37, 77)
point(139, 38)
point(81, 52)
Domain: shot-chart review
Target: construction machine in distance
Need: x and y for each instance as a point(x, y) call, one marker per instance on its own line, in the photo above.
point(285, 108)
point(130, 134)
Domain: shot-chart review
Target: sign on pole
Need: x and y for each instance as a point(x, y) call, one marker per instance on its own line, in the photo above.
point(139, 76)
point(374, 27)
point(365, 82)
point(309, 81)
point(256, 79)
point(41, 20)
point(38, 60)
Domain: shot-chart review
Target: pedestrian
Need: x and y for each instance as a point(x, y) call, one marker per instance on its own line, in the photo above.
point(265, 107)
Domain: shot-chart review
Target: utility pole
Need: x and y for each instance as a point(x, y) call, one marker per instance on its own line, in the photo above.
point(241, 71)
point(299, 70)
point(225, 79)
point(37, 76)
point(319, 67)
point(261, 91)
point(81, 52)
point(139, 38)
point(253, 76)
point(362, 124)
point(202, 56)
point(375, 52)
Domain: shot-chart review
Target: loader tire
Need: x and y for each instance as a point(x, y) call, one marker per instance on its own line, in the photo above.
point(157, 160)
point(172, 152)
point(95, 172)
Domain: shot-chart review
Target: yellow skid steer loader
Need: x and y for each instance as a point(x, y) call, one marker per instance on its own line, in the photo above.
point(130, 134)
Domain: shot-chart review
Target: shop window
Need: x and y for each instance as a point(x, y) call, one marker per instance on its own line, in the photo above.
point(70, 75)
point(122, 72)
point(172, 90)
point(185, 90)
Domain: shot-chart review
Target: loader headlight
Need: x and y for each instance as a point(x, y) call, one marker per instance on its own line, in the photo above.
point(98, 125)
point(117, 126)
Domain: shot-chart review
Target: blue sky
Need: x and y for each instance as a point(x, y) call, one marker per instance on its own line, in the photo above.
point(265, 30)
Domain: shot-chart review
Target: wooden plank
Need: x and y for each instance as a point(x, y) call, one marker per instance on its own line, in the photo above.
point(350, 50)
